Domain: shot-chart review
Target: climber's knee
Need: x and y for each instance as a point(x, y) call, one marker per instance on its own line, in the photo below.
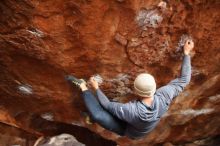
point(107, 121)
point(98, 117)
point(103, 118)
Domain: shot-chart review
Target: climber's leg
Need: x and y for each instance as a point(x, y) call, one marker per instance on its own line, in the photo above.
point(97, 112)
point(101, 116)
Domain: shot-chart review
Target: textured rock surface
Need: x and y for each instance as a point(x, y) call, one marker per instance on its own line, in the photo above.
point(43, 40)
point(58, 140)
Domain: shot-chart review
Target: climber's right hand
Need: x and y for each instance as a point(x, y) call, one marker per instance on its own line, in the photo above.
point(94, 83)
point(189, 45)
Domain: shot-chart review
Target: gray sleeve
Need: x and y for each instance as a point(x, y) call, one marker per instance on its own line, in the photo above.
point(173, 89)
point(124, 112)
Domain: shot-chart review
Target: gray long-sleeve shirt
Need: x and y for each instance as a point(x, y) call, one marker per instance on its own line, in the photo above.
point(141, 118)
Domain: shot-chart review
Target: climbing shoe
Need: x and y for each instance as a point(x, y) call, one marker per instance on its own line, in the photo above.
point(88, 119)
point(74, 80)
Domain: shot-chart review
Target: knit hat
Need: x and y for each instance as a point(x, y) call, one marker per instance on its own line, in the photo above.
point(145, 85)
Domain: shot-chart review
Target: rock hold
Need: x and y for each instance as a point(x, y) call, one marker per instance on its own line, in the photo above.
point(162, 5)
point(59, 140)
point(121, 39)
point(134, 42)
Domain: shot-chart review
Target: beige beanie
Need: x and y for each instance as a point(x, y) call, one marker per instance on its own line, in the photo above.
point(145, 85)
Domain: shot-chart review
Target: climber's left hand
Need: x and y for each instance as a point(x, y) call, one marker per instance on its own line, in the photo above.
point(94, 83)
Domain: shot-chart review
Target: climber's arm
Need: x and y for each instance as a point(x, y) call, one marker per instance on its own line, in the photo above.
point(176, 86)
point(124, 112)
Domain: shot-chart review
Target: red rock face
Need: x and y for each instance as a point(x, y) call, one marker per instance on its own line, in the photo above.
point(41, 41)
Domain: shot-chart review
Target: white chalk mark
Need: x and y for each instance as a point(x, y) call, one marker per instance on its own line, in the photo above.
point(191, 112)
point(25, 89)
point(162, 5)
point(149, 18)
point(98, 78)
point(36, 32)
point(214, 98)
point(48, 116)
point(196, 112)
point(182, 41)
point(77, 124)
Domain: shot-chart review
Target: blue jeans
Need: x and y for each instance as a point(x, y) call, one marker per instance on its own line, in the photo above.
point(101, 116)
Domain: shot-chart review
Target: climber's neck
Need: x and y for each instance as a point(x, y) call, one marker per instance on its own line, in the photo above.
point(148, 100)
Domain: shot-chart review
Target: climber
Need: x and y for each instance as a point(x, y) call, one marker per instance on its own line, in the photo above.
point(136, 118)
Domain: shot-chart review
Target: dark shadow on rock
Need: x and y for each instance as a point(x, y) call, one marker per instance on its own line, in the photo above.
point(11, 135)
point(83, 135)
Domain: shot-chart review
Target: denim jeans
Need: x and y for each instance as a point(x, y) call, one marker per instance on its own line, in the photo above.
point(102, 116)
